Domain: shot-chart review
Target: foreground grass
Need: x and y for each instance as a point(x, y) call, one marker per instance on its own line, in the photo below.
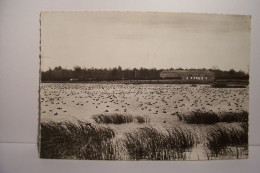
point(221, 138)
point(81, 140)
point(67, 140)
point(200, 117)
point(151, 144)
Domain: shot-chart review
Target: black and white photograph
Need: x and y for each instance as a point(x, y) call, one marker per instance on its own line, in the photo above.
point(117, 85)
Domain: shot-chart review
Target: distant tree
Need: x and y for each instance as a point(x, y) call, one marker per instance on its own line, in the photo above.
point(232, 71)
point(117, 73)
point(214, 67)
point(57, 73)
point(114, 72)
point(77, 71)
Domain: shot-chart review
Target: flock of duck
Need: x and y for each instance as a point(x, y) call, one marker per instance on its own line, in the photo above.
point(74, 99)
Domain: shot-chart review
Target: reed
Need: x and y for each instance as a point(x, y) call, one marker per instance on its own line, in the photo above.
point(199, 117)
point(210, 117)
point(226, 139)
point(113, 118)
point(152, 144)
point(67, 140)
point(142, 119)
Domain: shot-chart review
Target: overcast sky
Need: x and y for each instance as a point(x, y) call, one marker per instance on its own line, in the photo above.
point(134, 40)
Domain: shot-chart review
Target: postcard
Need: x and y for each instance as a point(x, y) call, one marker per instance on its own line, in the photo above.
point(144, 85)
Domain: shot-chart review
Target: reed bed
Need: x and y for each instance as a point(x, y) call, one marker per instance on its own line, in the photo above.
point(113, 118)
point(151, 144)
point(226, 139)
point(241, 116)
point(82, 140)
point(142, 119)
point(202, 117)
point(66, 140)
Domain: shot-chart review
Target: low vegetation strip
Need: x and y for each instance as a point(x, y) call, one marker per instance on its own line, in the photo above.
point(152, 144)
point(241, 116)
point(201, 117)
point(113, 118)
point(120, 118)
point(66, 140)
point(224, 85)
point(142, 119)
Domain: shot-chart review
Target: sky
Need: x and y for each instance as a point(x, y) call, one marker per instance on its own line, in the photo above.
point(144, 39)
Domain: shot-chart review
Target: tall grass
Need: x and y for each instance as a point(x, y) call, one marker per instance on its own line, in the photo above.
point(149, 143)
point(241, 116)
point(82, 140)
point(66, 140)
point(142, 119)
point(221, 138)
point(119, 118)
point(113, 118)
point(201, 117)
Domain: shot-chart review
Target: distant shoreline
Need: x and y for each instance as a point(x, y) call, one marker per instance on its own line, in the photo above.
point(227, 82)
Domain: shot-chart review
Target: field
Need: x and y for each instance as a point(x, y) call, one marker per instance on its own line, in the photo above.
point(143, 121)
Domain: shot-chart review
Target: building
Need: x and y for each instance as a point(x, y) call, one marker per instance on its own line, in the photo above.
point(188, 75)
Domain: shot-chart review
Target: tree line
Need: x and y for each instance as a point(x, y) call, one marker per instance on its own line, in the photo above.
point(117, 73)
